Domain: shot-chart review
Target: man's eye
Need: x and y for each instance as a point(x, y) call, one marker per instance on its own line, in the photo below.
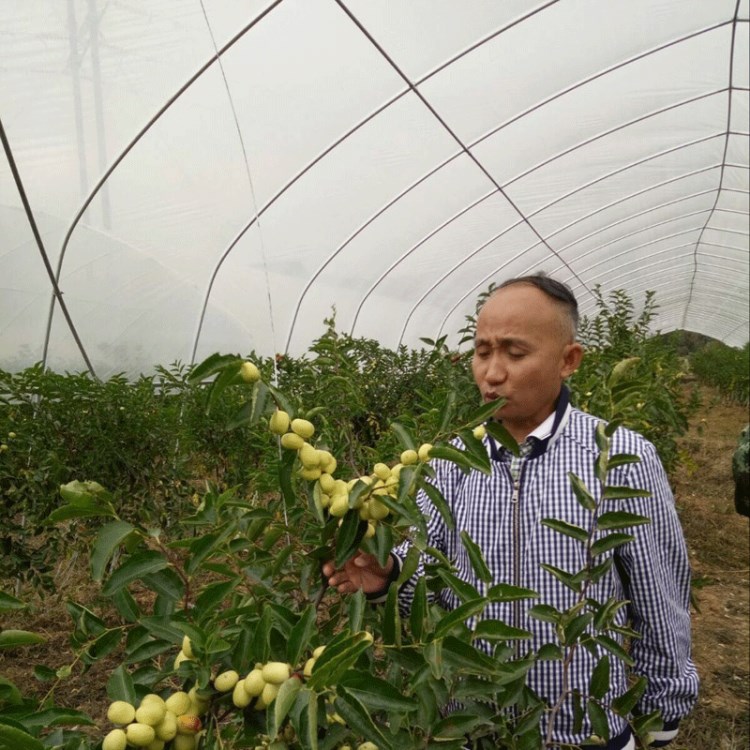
point(516, 355)
point(481, 354)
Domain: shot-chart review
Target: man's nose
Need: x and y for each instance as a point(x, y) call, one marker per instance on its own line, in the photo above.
point(496, 370)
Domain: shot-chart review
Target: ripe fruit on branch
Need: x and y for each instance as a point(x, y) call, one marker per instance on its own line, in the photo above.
point(381, 471)
point(187, 647)
point(424, 452)
point(276, 672)
point(121, 712)
point(188, 724)
point(479, 431)
point(167, 729)
point(150, 712)
point(140, 735)
point(240, 697)
point(254, 682)
point(178, 703)
point(292, 441)
point(249, 372)
point(184, 742)
point(279, 422)
point(270, 691)
point(115, 740)
point(409, 457)
point(226, 681)
point(303, 428)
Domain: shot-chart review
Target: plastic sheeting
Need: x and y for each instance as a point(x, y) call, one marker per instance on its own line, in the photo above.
point(217, 175)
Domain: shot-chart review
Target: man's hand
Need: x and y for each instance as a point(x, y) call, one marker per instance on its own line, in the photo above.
point(359, 572)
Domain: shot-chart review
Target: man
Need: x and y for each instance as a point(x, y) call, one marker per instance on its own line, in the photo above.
point(525, 348)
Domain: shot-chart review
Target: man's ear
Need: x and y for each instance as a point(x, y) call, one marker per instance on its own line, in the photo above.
point(572, 356)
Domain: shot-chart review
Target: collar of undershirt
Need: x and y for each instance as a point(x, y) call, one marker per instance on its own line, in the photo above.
point(545, 434)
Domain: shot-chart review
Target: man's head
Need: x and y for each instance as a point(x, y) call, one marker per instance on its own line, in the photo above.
point(525, 347)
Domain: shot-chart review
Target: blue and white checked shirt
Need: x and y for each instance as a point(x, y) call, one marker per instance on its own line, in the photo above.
point(502, 515)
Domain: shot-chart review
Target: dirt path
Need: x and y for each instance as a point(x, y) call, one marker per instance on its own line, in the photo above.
point(719, 544)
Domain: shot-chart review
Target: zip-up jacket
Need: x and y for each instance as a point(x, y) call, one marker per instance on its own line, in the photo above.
point(504, 517)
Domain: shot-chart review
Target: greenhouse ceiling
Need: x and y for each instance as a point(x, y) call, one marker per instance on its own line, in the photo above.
point(188, 176)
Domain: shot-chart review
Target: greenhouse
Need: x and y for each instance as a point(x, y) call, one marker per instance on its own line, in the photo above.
point(284, 464)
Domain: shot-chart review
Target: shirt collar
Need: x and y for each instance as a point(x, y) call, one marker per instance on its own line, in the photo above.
point(545, 434)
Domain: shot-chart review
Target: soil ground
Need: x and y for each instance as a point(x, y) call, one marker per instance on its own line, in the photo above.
point(719, 545)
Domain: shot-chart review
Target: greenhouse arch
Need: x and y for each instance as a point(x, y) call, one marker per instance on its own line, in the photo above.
point(218, 176)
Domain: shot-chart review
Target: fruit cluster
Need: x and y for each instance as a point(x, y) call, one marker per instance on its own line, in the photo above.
point(261, 684)
point(156, 722)
point(335, 495)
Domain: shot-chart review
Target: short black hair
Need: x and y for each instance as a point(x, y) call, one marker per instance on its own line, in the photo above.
point(552, 288)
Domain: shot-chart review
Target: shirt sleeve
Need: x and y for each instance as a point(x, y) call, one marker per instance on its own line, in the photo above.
point(658, 585)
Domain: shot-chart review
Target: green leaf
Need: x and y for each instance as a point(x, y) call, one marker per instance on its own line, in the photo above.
point(501, 434)
point(477, 449)
point(465, 591)
point(549, 652)
point(282, 704)
point(418, 611)
point(300, 635)
point(578, 712)
point(505, 592)
point(448, 412)
point(570, 580)
point(623, 493)
point(286, 466)
point(621, 459)
point(497, 630)
point(626, 702)
point(610, 542)
point(404, 436)
point(620, 520)
point(10, 694)
point(463, 459)
point(598, 719)
point(410, 565)
point(355, 610)
point(581, 492)
point(309, 702)
point(614, 648)
point(357, 717)
point(134, 568)
point(215, 593)
point(568, 529)
point(651, 722)
point(599, 684)
point(476, 558)
point(210, 366)
point(351, 533)
point(466, 657)
point(458, 616)
point(545, 613)
point(106, 542)
point(9, 603)
point(54, 717)
point(375, 693)
point(166, 583)
point(104, 645)
point(147, 651)
point(452, 726)
point(485, 412)
point(120, 685)
point(391, 622)
point(339, 655)
point(19, 638)
point(576, 627)
point(440, 503)
point(15, 739)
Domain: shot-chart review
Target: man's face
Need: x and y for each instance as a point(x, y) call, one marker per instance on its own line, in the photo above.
point(523, 352)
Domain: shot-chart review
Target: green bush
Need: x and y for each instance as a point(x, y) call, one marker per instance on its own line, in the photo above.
point(724, 367)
